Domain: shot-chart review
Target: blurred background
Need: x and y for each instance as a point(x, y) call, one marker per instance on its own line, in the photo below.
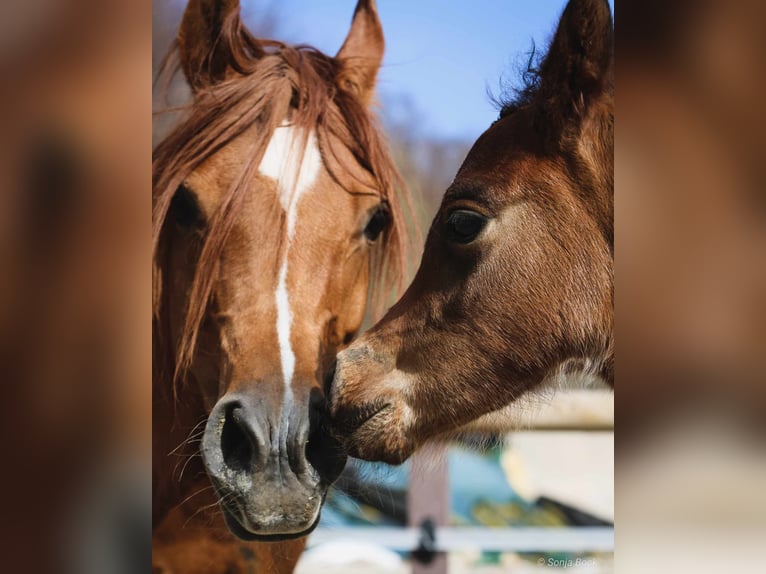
point(690, 258)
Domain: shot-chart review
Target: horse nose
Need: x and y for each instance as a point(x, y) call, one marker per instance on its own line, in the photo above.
point(233, 442)
point(353, 369)
point(243, 438)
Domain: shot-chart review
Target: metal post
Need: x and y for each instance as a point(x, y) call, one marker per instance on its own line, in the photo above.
point(428, 499)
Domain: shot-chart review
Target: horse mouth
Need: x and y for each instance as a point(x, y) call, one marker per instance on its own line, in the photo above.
point(373, 432)
point(243, 533)
point(349, 420)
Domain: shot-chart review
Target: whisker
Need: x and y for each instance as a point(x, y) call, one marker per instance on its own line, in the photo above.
point(188, 498)
point(191, 435)
point(188, 460)
point(201, 509)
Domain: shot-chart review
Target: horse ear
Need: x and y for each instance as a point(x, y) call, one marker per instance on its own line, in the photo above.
point(362, 52)
point(579, 66)
point(205, 40)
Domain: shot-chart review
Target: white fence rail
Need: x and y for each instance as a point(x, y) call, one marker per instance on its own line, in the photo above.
point(458, 539)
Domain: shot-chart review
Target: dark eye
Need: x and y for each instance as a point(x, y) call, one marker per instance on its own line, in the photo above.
point(185, 208)
point(379, 221)
point(463, 226)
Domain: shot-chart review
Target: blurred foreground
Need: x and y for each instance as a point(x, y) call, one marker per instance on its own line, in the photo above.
point(691, 286)
point(75, 297)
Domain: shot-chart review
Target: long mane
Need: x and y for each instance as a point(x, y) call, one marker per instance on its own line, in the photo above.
point(269, 80)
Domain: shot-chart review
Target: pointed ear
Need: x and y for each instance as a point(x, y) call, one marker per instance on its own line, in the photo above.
point(579, 67)
point(362, 52)
point(205, 40)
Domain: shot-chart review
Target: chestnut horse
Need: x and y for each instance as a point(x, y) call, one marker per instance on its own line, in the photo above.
point(515, 287)
point(275, 222)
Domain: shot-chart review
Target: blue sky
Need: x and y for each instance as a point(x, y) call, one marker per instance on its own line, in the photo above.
point(440, 55)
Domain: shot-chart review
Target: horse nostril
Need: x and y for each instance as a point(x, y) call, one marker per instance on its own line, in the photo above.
point(322, 451)
point(328, 378)
point(237, 442)
point(325, 454)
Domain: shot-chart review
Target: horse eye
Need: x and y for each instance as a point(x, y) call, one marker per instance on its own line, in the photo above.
point(379, 221)
point(464, 226)
point(185, 208)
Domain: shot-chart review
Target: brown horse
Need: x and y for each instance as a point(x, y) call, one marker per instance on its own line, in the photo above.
point(516, 283)
point(275, 222)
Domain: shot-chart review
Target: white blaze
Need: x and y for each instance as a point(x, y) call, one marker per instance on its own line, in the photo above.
point(294, 175)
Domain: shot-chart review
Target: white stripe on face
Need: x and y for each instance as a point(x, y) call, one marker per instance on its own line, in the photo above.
point(294, 176)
